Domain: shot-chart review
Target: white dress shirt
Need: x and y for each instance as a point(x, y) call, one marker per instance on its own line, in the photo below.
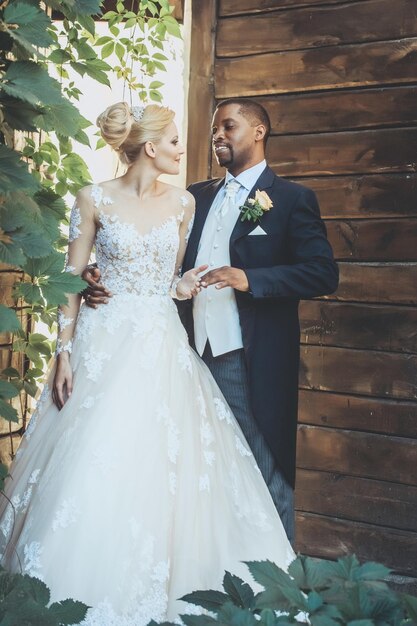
point(215, 313)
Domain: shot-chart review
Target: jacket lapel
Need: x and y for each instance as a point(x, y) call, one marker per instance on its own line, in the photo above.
point(204, 202)
point(264, 182)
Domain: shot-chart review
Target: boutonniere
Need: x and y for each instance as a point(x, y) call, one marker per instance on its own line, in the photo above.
point(255, 207)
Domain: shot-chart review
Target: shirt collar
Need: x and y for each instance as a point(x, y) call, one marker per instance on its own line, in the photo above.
point(249, 177)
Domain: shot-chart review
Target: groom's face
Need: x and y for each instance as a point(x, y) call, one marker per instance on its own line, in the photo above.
point(234, 139)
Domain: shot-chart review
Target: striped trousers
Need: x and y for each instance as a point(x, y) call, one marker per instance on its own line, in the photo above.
point(229, 371)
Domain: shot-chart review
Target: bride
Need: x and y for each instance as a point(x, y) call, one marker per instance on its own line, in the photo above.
point(133, 484)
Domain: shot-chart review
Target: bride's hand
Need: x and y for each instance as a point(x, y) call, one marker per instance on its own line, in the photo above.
point(62, 386)
point(190, 284)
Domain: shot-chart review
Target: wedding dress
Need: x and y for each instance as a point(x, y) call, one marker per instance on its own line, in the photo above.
point(142, 488)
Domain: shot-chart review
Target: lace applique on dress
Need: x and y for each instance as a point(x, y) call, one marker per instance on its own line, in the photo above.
point(66, 515)
point(93, 362)
point(63, 321)
point(75, 221)
point(172, 432)
point(97, 193)
point(32, 563)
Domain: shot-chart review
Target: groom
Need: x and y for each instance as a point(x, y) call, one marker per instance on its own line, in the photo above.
point(244, 324)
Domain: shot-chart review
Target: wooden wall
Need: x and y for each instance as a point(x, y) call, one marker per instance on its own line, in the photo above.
point(339, 80)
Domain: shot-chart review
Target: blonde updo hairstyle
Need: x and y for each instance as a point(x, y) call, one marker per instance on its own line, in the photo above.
point(128, 135)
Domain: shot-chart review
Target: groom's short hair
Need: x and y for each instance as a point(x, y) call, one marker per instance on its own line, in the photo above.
point(254, 112)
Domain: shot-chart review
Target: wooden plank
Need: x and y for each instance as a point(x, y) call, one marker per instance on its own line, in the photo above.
point(201, 90)
point(374, 240)
point(236, 7)
point(313, 27)
point(357, 152)
point(341, 110)
point(358, 499)
point(331, 538)
point(364, 372)
point(380, 195)
point(377, 283)
point(366, 326)
point(367, 455)
point(391, 417)
point(380, 63)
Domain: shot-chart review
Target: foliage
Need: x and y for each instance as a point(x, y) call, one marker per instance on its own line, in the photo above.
point(314, 591)
point(39, 121)
point(24, 602)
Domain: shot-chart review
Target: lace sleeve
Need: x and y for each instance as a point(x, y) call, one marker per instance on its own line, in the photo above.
point(188, 203)
point(80, 242)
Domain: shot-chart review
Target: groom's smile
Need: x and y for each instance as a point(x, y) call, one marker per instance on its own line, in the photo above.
point(234, 139)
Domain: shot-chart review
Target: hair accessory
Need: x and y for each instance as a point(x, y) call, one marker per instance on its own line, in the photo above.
point(137, 112)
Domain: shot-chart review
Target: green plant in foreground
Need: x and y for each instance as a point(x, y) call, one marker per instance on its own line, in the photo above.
point(24, 602)
point(314, 591)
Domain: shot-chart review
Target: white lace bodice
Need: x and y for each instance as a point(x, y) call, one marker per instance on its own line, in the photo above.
point(130, 262)
point(133, 263)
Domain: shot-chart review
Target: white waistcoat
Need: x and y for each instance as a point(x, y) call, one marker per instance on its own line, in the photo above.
point(215, 312)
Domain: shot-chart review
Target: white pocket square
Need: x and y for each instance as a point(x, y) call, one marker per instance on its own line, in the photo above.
point(257, 231)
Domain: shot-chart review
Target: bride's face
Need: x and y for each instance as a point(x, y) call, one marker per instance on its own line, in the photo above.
point(168, 151)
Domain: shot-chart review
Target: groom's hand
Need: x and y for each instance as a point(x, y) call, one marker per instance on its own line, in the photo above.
point(226, 277)
point(96, 293)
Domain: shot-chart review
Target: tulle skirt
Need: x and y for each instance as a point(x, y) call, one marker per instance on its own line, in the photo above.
point(142, 488)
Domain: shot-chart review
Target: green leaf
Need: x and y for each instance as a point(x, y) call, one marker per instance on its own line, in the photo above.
point(156, 96)
point(8, 412)
point(36, 589)
point(34, 244)
point(239, 592)
point(7, 390)
point(410, 604)
point(19, 115)
point(107, 49)
point(235, 616)
point(60, 56)
point(68, 611)
point(8, 319)
point(52, 264)
point(29, 292)
point(85, 51)
point(88, 23)
point(82, 137)
point(14, 173)
point(209, 600)
point(11, 253)
point(33, 24)
point(194, 620)
point(172, 27)
point(10, 372)
point(309, 573)
point(55, 288)
point(30, 82)
point(267, 574)
point(102, 40)
point(98, 74)
point(372, 571)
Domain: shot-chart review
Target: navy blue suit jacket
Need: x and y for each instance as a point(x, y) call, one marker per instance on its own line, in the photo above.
point(293, 261)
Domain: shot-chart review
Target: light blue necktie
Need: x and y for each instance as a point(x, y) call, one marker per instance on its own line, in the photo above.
point(229, 201)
